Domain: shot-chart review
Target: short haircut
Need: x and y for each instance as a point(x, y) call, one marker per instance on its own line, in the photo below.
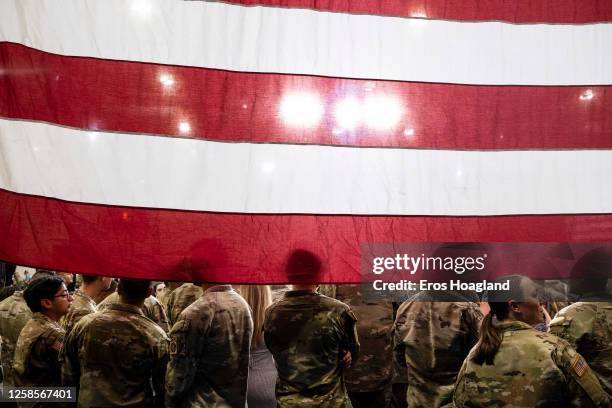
point(43, 288)
point(303, 267)
point(134, 289)
point(42, 273)
point(89, 278)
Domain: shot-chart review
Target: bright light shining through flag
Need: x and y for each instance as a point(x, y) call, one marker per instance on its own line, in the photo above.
point(188, 140)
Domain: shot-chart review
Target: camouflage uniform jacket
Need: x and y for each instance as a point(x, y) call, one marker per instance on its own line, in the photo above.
point(163, 297)
point(180, 298)
point(81, 306)
point(14, 314)
point(36, 361)
point(431, 339)
point(307, 333)
point(151, 308)
point(587, 326)
point(116, 357)
point(530, 369)
point(209, 351)
point(373, 370)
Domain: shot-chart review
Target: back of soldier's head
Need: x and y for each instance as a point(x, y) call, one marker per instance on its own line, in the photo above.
point(42, 288)
point(303, 267)
point(42, 273)
point(134, 290)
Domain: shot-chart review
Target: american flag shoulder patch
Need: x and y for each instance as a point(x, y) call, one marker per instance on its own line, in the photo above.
point(579, 365)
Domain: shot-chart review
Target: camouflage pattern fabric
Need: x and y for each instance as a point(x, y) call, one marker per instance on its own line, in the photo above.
point(116, 357)
point(14, 314)
point(587, 326)
point(530, 369)
point(36, 361)
point(373, 370)
point(164, 295)
point(431, 340)
point(82, 305)
point(209, 351)
point(307, 333)
point(180, 299)
point(151, 309)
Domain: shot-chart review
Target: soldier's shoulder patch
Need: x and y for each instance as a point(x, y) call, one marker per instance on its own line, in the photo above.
point(579, 365)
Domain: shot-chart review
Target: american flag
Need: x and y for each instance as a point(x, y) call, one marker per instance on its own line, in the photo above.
point(190, 140)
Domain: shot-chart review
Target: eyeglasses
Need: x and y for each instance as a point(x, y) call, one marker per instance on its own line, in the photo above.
point(64, 295)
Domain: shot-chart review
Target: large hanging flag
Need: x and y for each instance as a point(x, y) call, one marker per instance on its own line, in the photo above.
point(190, 140)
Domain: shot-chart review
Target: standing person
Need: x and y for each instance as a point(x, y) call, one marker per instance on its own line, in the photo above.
point(587, 324)
point(209, 351)
point(368, 380)
point(14, 314)
point(262, 371)
point(431, 341)
point(180, 298)
point(151, 309)
point(117, 357)
point(515, 365)
point(312, 338)
point(165, 294)
point(84, 302)
point(36, 361)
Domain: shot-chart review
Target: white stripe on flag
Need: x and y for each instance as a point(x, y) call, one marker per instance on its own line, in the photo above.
point(188, 174)
point(279, 40)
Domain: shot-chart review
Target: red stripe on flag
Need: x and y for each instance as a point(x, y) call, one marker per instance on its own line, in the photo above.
point(193, 246)
point(220, 105)
point(542, 11)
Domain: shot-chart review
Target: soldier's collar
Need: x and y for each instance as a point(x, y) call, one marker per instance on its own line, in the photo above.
point(301, 292)
point(514, 325)
point(124, 307)
point(86, 296)
point(44, 318)
point(219, 288)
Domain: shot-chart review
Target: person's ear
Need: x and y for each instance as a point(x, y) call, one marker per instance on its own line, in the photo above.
point(514, 306)
point(46, 304)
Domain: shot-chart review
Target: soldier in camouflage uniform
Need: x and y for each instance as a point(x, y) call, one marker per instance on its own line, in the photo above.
point(312, 337)
point(14, 314)
point(587, 324)
point(165, 294)
point(151, 309)
point(431, 339)
point(516, 365)
point(180, 298)
point(368, 380)
point(84, 303)
point(209, 351)
point(36, 354)
point(117, 357)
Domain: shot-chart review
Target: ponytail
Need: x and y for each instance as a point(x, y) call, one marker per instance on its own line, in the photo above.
point(489, 341)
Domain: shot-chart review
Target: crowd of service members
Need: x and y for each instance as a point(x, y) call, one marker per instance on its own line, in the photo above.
point(128, 344)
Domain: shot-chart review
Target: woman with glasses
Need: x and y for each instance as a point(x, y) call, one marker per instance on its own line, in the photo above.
point(36, 361)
